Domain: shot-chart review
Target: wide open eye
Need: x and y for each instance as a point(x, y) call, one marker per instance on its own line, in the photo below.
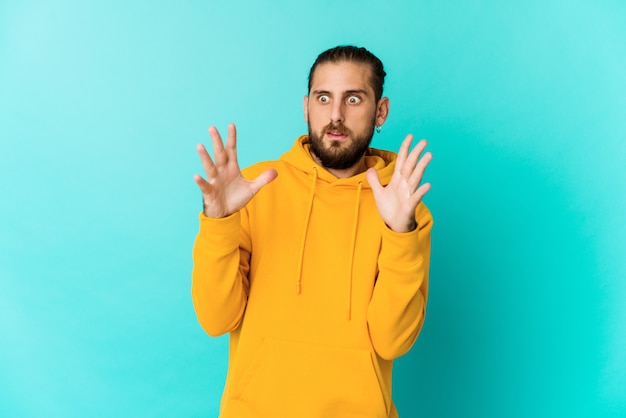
point(323, 99)
point(354, 100)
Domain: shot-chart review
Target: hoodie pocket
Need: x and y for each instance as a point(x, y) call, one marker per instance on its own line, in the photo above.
point(287, 378)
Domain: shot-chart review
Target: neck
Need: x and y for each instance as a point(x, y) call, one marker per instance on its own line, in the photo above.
point(343, 173)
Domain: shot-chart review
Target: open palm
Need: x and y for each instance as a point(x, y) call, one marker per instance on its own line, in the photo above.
point(398, 201)
point(225, 191)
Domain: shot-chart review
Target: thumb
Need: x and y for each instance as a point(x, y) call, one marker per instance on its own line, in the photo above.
point(372, 178)
point(263, 179)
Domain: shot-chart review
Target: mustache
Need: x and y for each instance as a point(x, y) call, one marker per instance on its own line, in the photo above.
point(337, 127)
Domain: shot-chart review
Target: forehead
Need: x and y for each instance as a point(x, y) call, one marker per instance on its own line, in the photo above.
point(342, 76)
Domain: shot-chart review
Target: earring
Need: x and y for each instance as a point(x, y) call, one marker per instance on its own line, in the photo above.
point(379, 128)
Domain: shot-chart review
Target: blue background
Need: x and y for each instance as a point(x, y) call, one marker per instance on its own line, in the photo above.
point(102, 103)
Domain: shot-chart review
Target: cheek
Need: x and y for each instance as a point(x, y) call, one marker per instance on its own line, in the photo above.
point(316, 117)
point(363, 118)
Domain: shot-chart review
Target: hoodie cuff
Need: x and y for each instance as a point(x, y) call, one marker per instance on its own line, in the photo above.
point(220, 234)
point(400, 248)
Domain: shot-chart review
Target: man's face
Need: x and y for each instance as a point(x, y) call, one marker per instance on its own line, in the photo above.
point(341, 112)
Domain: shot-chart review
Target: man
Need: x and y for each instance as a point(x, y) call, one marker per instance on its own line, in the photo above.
point(317, 264)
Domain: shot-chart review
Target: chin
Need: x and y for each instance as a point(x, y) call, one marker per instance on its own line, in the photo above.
point(337, 143)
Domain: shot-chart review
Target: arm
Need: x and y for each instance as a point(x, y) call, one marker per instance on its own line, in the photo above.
point(396, 312)
point(220, 273)
point(221, 251)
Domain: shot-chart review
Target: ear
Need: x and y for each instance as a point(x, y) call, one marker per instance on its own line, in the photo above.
point(382, 111)
point(305, 106)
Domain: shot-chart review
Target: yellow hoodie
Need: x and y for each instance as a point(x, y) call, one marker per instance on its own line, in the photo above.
point(318, 294)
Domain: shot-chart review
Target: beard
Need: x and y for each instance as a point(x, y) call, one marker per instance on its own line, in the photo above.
point(339, 155)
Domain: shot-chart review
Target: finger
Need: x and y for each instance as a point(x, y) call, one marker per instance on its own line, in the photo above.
point(205, 187)
point(218, 147)
point(419, 194)
point(420, 168)
point(231, 142)
point(411, 161)
point(403, 152)
point(231, 145)
point(207, 162)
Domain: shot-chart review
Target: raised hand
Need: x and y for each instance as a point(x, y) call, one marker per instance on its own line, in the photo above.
point(225, 190)
point(397, 201)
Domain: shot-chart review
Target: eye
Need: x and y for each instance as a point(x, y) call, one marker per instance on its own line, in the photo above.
point(323, 99)
point(354, 100)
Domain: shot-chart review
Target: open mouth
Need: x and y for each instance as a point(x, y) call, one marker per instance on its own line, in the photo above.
point(336, 135)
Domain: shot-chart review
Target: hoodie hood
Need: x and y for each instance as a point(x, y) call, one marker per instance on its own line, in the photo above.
point(300, 157)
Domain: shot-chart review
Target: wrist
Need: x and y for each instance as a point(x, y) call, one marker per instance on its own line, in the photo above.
point(212, 212)
point(403, 227)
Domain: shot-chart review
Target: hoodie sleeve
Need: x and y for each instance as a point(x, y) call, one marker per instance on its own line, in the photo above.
point(221, 256)
point(396, 312)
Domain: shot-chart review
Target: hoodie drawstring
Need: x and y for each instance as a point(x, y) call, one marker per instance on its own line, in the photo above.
point(353, 248)
point(355, 226)
point(306, 228)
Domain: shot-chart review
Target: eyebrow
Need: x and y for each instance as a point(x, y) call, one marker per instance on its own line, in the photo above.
point(356, 91)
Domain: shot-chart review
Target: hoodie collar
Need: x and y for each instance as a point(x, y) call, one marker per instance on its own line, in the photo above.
point(299, 156)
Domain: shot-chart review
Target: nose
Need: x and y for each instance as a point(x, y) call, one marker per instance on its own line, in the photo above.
point(337, 113)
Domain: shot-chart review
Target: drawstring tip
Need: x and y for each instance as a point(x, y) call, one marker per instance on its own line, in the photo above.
point(298, 288)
